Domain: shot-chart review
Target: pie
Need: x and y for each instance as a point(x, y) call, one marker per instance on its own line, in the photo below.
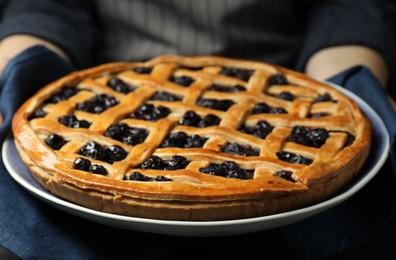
point(201, 138)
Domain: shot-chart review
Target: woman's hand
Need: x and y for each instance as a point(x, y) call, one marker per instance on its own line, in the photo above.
point(15, 44)
point(333, 60)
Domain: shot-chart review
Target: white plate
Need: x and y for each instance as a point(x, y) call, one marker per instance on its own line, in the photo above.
point(377, 157)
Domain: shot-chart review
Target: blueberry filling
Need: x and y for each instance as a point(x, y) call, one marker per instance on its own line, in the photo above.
point(242, 74)
point(109, 154)
point(323, 98)
point(287, 175)
point(209, 120)
point(175, 162)
point(120, 86)
point(238, 149)
point(150, 112)
point(165, 96)
point(263, 108)
point(221, 88)
point(38, 113)
point(318, 115)
point(63, 94)
point(191, 118)
point(85, 165)
point(184, 81)
point(285, 96)
point(278, 79)
point(81, 164)
point(182, 140)
point(228, 169)
point(350, 140)
point(222, 105)
point(55, 141)
point(314, 137)
point(72, 121)
point(115, 153)
point(261, 129)
point(143, 70)
point(128, 135)
point(293, 158)
point(97, 104)
point(98, 169)
point(153, 162)
point(137, 176)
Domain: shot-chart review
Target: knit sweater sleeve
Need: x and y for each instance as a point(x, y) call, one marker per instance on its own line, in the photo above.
point(369, 23)
point(66, 23)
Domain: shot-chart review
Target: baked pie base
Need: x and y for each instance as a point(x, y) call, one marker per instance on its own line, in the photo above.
point(190, 192)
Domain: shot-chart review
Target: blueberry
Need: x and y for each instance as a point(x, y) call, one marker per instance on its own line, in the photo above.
point(165, 96)
point(315, 137)
point(72, 121)
point(238, 149)
point(117, 131)
point(150, 112)
point(153, 162)
point(98, 169)
point(227, 169)
point(183, 80)
point(160, 112)
point(81, 164)
point(323, 98)
point(278, 79)
point(97, 104)
point(261, 129)
point(293, 158)
point(190, 118)
point(120, 86)
point(93, 150)
point(350, 140)
point(209, 120)
point(135, 136)
point(286, 96)
point(318, 115)
point(222, 105)
point(137, 176)
point(161, 178)
point(128, 135)
point(221, 88)
point(287, 175)
point(37, 114)
point(55, 141)
point(67, 120)
point(115, 153)
point(143, 70)
point(242, 74)
point(63, 94)
point(237, 88)
point(176, 162)
point(194, 141)
point(85, 165)
point(262, 108)
point(178, 139)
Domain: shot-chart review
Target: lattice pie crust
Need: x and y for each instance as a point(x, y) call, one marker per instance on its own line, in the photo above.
point(192, 138)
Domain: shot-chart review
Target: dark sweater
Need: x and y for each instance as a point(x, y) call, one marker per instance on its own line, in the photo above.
point(284, 32)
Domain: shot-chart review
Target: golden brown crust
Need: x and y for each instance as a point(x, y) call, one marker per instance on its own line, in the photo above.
point(193, 195)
